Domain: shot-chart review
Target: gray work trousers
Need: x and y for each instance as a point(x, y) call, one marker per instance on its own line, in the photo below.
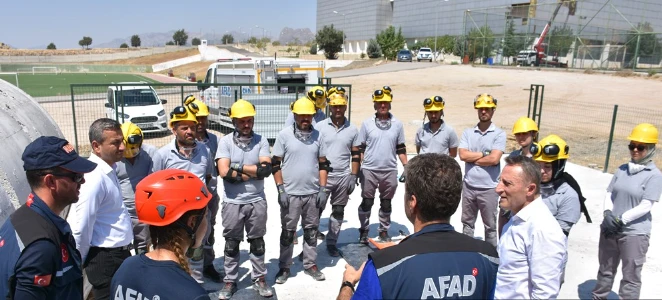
point(141, 238)
point(486, 201)
point(236, 218)
point(338, 185)
point(631, 249)
point(387, 183)
point(306, 208)
point(209, 254)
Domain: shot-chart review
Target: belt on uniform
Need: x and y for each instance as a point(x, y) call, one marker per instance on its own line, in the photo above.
point(121, 248)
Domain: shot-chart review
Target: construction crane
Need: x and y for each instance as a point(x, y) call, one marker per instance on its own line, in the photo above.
point(538, 45)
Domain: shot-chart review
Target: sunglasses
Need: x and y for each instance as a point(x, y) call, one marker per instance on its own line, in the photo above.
point(134, 139)
point(638, 147)
point(75, 177)
point(429, 102)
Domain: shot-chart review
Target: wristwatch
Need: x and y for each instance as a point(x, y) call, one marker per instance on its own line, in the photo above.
point(348, 284)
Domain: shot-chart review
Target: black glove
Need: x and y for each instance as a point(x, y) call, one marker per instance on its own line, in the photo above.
point(611, 225)
point(283, 199)
point(402, 177)
point(352, 184)
point(322, 197)
point(237, 167)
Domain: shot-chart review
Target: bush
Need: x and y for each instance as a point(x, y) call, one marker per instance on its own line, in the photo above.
point(124, 45)
point(454, 63)
point(313, 49)
point(651, 73)
point(275, 43)
point(362, 55)
point(51, 46)
point(374, 51)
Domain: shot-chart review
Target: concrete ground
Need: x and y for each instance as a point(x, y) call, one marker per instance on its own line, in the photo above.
point(582, 250)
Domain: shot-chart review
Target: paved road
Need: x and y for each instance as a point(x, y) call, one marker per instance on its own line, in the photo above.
point(385, 68)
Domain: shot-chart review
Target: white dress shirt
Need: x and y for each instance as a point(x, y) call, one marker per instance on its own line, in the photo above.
point(101, 219)
point(531, 254)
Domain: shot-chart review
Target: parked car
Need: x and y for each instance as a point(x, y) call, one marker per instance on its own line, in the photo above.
point(425, 54)
point(139, 104)
point(404, 55)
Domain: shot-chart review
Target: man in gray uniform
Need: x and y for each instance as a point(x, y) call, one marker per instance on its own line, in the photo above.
point(481, 148)
point(317, 95)
point(301, 187)
point(243, 163)
point(211, 141)
point(382, 139)
point(436, 136)
point(341, 143)
point(136, 165)
point(184, 153)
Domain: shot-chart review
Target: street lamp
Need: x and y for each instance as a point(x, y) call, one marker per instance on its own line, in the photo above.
point(262, 30)
point(436, 25)
point(343, 33)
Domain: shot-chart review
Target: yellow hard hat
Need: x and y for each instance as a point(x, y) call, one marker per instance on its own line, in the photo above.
point(550, 149)
point(303, 106)
point(196, 106)
point(524, 124)
point(644, 133)
point(133, 139)
point(338, 99)
point(485, 101)
point(182, 113)
point(242, 109)
point(318, 95)
point(434, 103)
point(382, 96)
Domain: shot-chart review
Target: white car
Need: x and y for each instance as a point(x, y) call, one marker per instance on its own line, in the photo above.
point(425, 54)
point(139, 104)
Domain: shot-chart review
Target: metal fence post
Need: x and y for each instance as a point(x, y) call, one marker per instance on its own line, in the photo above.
point(611, 138)
point(73, 113)
point(181, 90)
point(528, 111)
point(542, 96)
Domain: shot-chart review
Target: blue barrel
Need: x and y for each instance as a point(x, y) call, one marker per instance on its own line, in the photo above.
point(490, 61)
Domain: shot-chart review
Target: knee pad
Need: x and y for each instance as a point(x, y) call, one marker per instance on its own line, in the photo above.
point(231, 247)
point(286, 237)
point(310, 236)
point(366, 204)
point(338, 212)
point(385, 205)
point(257, 246)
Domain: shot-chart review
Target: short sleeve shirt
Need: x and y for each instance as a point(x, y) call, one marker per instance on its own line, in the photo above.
point(200, 163)
point(476, 141)
point(338, 143)
point(129, 174)
point(564, 205)
point(381, 144)
point(319, 116)
point(440, 141)
point(628, 190)
point(247, 191)
point(300, 161)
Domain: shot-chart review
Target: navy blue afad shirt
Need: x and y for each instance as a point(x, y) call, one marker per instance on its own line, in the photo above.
point(43, 270)
point(434, 263)
point(140, 277)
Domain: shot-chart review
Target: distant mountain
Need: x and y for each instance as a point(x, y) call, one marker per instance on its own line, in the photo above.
point(291, 35)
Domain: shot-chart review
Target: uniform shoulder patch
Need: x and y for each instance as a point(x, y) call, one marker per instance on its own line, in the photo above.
point(42, 280)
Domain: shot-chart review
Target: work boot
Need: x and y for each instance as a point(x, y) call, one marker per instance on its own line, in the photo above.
point(333, 250)
point(227, 291)
point(315, 273)
point(282, 275)
point(320, 236)
point(363, 236)
point(211, 273)
point(260, 285)
point(383, 237)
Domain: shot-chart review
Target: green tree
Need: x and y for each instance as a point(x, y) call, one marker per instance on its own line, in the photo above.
point(180, 37)
point(85, 42)
point(374, 51)
point(227, 39)
point(511, 42)
point(124, 46)
point(648, 42)
point(390, 41)
point(459, 48)
point(560, 41)
point(330, 41)
point(196, 41)
point(51, 46)
point(135, 41)
point(444, 43)
point(275, 43)
point(170, 43)
point(313, 49)
point(481, 42)
point(252, 40)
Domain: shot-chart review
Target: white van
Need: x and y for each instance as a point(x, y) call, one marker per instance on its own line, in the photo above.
point(138, 104)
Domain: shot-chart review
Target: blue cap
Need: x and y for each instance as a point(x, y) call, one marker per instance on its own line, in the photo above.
point(48, 152)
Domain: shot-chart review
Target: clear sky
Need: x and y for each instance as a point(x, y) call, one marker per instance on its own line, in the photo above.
point(29, 23)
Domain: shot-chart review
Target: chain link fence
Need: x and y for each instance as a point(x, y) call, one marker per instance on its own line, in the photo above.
point(149, 106)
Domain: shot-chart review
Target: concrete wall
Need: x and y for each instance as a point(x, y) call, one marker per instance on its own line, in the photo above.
point(89, 57)
point(27, 68)
point(22, 120)
point(176, 63)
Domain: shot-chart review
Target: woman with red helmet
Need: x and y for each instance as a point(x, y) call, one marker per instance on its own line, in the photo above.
point(174, 205)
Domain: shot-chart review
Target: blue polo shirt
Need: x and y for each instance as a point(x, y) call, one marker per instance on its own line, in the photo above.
point(29, 252)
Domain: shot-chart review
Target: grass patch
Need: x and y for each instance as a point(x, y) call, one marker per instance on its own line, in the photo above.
point(42, 85)
point(490, 85)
